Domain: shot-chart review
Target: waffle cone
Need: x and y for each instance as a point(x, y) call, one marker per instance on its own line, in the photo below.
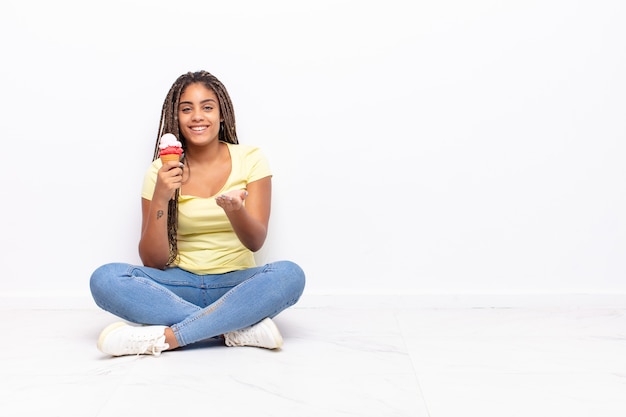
point(170, 157)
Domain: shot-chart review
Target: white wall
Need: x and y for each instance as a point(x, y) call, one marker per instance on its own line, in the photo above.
point(418, 146)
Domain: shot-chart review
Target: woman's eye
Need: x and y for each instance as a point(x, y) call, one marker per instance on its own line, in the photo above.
point(185, 109)
point(208, 108)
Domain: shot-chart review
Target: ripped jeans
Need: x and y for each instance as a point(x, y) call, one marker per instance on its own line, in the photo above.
point(197, 307)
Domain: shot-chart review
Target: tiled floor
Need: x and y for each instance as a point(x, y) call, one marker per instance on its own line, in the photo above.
point(338, 360)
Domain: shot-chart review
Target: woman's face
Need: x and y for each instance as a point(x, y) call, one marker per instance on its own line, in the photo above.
point(199, 115)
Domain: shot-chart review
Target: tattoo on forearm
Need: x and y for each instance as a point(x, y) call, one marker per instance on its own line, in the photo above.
point(159, 214)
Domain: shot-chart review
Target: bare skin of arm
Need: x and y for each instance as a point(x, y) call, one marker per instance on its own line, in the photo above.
point(153, 245)
point(250, 222)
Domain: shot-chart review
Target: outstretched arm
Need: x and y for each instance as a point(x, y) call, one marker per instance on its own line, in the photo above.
point(250, 221)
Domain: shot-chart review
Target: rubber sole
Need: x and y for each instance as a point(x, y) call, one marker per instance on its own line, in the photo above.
point(107, 330)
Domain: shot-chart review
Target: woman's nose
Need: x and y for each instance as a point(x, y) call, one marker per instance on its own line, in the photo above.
point(197, 115)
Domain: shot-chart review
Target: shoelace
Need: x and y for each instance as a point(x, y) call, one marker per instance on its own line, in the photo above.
point(155, 346)
point(245, 336)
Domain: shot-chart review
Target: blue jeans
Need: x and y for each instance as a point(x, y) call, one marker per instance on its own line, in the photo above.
point(197, 307)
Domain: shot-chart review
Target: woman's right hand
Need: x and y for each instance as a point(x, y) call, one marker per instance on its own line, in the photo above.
point(169, 179)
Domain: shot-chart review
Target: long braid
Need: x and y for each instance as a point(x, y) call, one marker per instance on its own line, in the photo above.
point(169, 124)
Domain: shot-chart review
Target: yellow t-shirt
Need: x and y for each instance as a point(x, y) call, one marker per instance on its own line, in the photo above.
point(207, 243)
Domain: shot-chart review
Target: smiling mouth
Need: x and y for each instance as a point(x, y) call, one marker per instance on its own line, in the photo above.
point(199, 128)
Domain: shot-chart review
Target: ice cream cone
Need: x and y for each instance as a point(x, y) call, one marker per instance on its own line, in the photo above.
point(170, 157)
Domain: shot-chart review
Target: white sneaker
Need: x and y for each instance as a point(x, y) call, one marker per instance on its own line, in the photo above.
point(120, 339)
point(264, 334)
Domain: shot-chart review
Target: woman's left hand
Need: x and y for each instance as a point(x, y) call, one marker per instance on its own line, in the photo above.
point(232, 200)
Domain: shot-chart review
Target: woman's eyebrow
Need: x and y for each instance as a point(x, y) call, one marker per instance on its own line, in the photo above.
point(202, 102)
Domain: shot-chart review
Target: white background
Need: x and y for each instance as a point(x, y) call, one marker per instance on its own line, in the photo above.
point(433, 146)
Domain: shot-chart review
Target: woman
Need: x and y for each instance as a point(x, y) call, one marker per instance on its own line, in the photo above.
point(202, 220)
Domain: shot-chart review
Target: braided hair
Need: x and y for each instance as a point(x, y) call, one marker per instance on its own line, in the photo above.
point(169, 124)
